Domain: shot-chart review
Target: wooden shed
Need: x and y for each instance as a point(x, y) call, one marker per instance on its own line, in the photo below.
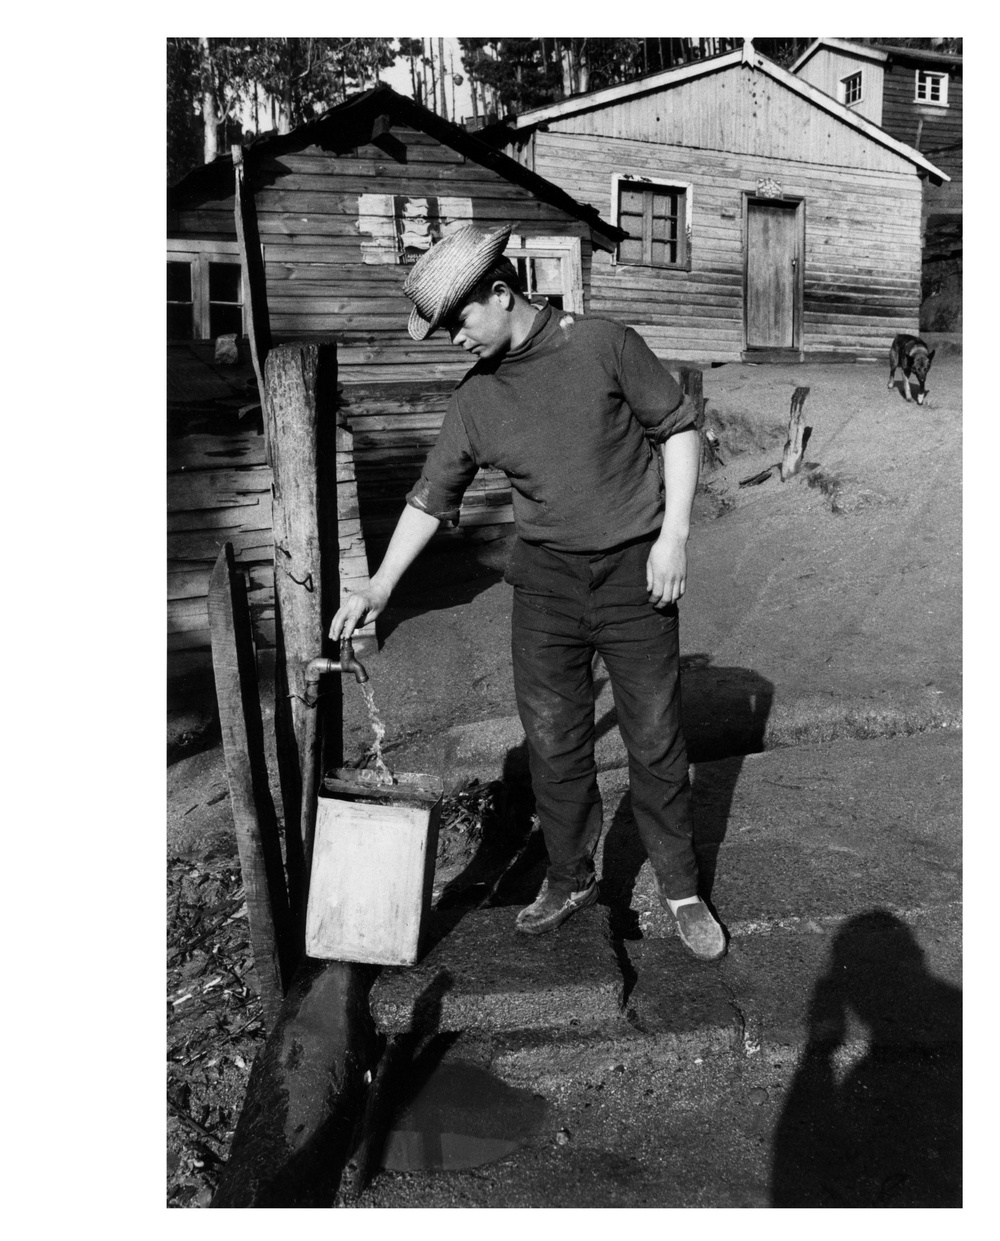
point(765, 218)
point(344, 205)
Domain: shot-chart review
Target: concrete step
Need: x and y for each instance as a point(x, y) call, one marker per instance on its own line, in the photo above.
point(835, 868)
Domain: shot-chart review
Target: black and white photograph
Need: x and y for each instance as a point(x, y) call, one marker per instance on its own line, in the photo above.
point(564, 480)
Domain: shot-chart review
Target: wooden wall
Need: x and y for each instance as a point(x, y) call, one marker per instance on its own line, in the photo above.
point(218, 491)
point(736, 109)
point(862, 214)
point(939, 136)
point(827, 67)
point(392, 389)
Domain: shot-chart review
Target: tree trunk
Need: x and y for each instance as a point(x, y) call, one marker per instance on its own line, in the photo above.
point(442, 70)
point(209, 105)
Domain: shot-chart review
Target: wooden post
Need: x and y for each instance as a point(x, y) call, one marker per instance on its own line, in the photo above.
point(300, 422)
point(795, 446)
point(691, 385)
point(254, 278)
point(250, 794)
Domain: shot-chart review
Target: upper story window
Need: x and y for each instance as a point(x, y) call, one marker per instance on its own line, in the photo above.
point(656, 215)
point(204, 290)
point(850, 89)
point(932, 87)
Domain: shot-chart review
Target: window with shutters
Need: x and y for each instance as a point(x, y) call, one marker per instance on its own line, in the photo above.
point(656, 215)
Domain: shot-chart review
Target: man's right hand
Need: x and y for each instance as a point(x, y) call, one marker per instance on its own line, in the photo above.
point(357, 610)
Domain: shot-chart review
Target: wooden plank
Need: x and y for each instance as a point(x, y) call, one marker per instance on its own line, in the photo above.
point(206, 452)
point(256, 824)
point(254, 516)
point(254, 279)
point(227, 488)
point(206, 544)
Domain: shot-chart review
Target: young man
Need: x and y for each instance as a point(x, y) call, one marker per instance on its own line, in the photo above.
point(600, 447)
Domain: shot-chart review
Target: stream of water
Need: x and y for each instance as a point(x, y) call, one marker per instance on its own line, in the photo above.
point(382, 772)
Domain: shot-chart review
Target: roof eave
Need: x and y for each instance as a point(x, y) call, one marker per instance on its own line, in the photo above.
point(628, 90)
point(870, 130)
point(382, 100)
point(841, 45)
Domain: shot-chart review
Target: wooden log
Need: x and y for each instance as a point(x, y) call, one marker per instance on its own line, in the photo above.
point(791, 458)
point(257, 840)
point(299, 382)
point(306, 1092)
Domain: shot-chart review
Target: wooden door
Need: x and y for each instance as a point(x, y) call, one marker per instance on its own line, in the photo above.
point(773, 274)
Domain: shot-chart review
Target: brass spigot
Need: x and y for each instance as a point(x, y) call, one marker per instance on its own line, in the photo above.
point(348, 662)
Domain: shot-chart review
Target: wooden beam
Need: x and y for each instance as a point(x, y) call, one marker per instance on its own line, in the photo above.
point(299, 405)
point(254, 277)
point(256, 824)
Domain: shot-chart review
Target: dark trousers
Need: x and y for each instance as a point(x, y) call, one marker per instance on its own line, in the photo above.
point(566, 607)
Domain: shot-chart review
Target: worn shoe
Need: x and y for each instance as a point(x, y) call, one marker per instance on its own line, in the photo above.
point(699, 932)
point(551, 909)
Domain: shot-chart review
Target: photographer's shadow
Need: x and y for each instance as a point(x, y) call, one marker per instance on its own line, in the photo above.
point(725, 713)
point(873, 1117)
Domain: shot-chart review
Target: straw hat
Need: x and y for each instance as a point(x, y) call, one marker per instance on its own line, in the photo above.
point(442, 278)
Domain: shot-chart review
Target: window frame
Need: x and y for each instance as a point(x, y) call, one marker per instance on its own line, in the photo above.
point(842, 91)
point(942, 77)
point(198, 255)
point(630, 180)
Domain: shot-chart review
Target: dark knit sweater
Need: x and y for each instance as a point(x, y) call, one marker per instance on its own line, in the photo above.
point(571, 417)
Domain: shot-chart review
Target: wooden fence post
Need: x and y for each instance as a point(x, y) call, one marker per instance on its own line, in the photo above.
point(234, 661)
point(300, 423)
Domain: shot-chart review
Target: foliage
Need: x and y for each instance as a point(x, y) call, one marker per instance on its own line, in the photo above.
point(514, 75)
point(184, 142)
point(213, 84)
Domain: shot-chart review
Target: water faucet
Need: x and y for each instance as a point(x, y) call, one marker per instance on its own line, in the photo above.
point(348, 662)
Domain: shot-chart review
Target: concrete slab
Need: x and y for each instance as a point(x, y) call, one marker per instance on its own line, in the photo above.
point(811, 853)
point(484, 975)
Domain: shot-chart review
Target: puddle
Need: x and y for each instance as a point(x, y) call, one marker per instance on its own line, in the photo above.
point(462, 1117)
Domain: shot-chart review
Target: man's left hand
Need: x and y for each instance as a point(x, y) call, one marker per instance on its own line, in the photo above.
point(666, 571)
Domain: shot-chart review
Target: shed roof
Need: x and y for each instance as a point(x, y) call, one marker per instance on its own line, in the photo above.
point(746, 55)
point(368, 117)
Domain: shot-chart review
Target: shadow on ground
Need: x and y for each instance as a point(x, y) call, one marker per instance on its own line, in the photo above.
point(444, 577)
point(873, 1117)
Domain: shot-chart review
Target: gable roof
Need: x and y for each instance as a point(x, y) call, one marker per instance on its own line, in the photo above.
point(368, 117)
point(864, 50)
point(746, 55)
point(882, 53)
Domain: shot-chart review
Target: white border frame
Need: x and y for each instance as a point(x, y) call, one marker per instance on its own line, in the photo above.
point(642, 178)
point(933, 73)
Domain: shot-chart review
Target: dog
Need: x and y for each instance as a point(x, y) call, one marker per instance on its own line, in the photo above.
point(910, 354)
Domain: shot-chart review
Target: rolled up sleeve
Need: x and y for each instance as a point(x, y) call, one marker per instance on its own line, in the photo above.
point(654, 396)
point(447, 472)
